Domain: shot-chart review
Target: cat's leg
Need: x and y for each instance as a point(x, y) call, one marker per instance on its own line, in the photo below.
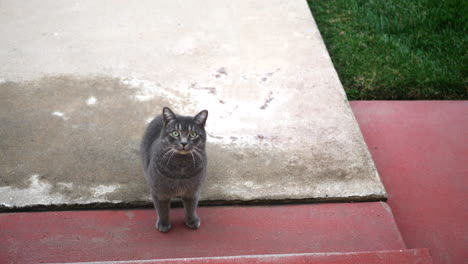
point(162, 207)
point(191, 218)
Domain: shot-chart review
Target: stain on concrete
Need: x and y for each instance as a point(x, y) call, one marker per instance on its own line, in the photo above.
point(211, 90)
point(269, 75)
point(220, 72)
point(91, 100)
point(214, 136)
point(49, 129)
point(244, 173)
point(268, 100)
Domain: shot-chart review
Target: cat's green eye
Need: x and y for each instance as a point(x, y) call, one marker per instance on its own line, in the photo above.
point(193, 134)
point(175, 133)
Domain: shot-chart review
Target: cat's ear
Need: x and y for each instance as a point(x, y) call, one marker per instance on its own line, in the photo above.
point(168, 115)
point(201, 117)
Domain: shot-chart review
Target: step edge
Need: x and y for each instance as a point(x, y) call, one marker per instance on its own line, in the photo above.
point(421, 251)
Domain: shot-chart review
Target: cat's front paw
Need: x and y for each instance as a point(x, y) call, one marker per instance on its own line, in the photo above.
point(193, 223)
point(163, 227)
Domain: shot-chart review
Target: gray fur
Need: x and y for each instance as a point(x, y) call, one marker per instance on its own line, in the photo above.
point(171, 169)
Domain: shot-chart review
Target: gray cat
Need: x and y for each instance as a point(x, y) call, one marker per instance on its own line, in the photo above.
point(174, 162)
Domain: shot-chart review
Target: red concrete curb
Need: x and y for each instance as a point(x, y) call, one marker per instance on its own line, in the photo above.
point(72, 236)
point(421, 152)
point(407, 256)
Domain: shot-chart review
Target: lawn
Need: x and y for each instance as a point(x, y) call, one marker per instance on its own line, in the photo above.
point(397, 49)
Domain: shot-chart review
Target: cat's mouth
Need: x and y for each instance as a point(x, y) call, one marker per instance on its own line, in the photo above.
point(183, 151)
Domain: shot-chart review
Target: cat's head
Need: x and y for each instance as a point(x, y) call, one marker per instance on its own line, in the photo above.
point(184, 133)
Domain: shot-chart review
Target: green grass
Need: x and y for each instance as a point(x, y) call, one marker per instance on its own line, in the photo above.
point(397, 49)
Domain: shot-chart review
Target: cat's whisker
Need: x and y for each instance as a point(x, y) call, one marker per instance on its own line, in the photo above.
point(199, 155)
point(197, 148)
point(193, 158)
point(174, 151)
point(166, 153)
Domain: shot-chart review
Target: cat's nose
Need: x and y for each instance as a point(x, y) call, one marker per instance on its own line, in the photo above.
point(183, 144)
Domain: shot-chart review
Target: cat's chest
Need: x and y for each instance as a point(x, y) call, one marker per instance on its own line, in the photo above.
point(184, 171)
point(180, 167)
point(178, 171)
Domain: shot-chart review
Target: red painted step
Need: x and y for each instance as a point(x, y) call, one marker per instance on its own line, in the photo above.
point(72, 236)
point(406, 256)
point(421, 152)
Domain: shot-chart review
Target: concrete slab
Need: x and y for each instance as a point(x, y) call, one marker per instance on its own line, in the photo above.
point(79, 82)
point(116, 235)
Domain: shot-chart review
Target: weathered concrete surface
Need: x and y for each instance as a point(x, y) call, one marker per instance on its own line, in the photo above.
point(79, 81)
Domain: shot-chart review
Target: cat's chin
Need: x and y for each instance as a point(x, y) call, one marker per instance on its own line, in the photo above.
point(184, 152)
